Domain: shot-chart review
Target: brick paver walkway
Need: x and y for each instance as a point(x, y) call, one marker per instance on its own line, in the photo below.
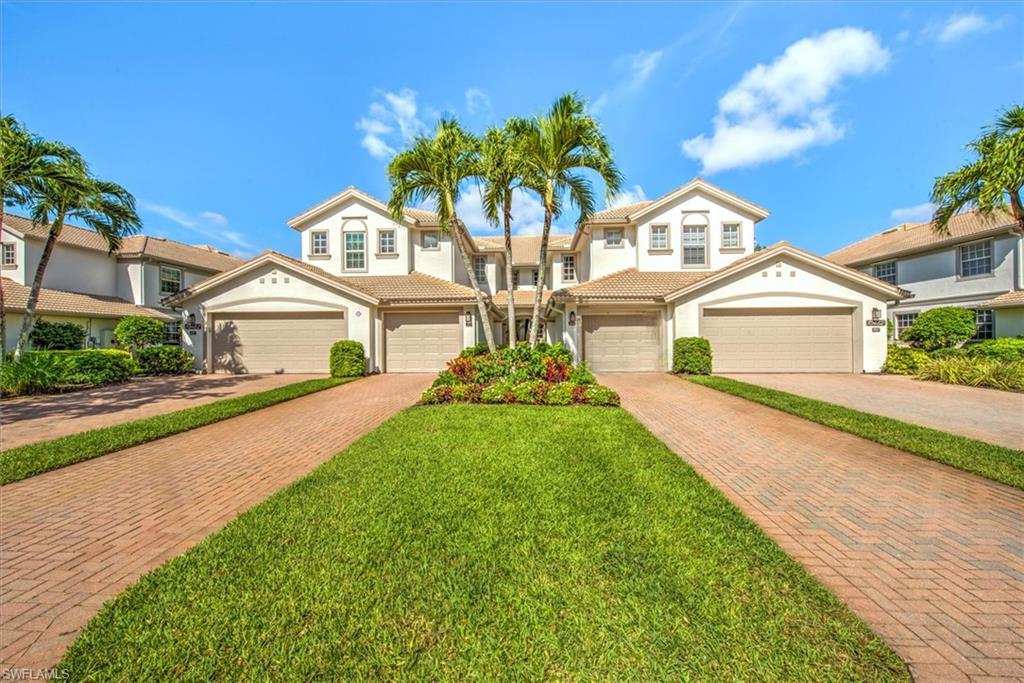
point(930, 557)
point(41, 418)
point(73, 538)
point(986, 414)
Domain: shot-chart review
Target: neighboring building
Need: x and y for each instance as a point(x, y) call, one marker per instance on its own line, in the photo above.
point(622, 288)
point(87, 285)
point(979, 265)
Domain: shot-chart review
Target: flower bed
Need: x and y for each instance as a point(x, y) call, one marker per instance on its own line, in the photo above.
point(540, 375)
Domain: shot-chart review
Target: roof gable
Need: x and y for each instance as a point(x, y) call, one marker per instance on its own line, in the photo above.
point(412, 216)
point(633, 213)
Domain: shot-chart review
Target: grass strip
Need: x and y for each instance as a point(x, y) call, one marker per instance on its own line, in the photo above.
point(25, 461)
point(470, 542)
point(999, 463)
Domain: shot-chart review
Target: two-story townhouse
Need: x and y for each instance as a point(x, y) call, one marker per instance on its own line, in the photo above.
point(87, 285)
point(623, 288)
point(978, 264)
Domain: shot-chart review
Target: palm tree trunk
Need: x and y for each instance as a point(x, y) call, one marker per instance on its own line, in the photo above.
point(481, 305)
point(509, 273)
point(37, 284)
point(535, 319)
point(3, 304)
point(1016, 207)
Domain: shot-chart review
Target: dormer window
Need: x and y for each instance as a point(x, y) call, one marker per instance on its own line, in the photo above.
point(431, 240)
point(318, 243)
point(885, 271)
point(730, 236)
point(613, 237)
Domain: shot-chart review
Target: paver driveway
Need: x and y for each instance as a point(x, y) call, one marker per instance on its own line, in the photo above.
point(72, 538)
point(986, 414)
point(932, 558)
point(41, 418)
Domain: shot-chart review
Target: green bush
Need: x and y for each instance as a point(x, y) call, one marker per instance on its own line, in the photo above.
point(56, 336)
point(469, 393)
point(445, 379)
point(940, 328)
point(562, 394)
point(954, 352)
point(691, 356)
point(581, 374)
point(533, 392)
point(976, 372)
point(95, 367)
point(164, 360)
point(134, 332)
point(475, 350)
point(499, 392)
point(34, 373)
point(903, 360)
point(1005, 349)
point(348, 359)
point(597, 395)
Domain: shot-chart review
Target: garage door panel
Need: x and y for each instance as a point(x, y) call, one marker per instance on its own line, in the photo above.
point(795, 340)
point(421, 342)
point(622, 343)
point(274, 342)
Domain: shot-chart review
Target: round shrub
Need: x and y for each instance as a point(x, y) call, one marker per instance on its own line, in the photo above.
point(136, 332)
point(57, 336)
point(1005, 349)
point(940, 328)
point(903, 360)
point(445, 379)
point(164, 360)
point(348, 359)
point(691, 356)
point(597, 395)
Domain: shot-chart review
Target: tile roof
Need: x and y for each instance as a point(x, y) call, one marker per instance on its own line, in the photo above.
point(621, 211)
point(1008, 300)
point(201, 257)
point(913, 237)
point(525, 248)
point(521, 297)
point(633, 284)
point(57, 301)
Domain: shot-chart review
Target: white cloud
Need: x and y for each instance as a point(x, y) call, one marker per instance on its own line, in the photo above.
point(962, 25)
point(208, 224)
point(527, 215)
point(780, 109)
point(636, 69)
point(913, 214)
point(629, 195)
point(477, 101)
point(392, 121)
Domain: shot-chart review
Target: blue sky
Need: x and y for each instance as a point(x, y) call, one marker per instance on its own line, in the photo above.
point(225, 119)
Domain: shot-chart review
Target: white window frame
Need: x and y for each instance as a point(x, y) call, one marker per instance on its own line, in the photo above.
point(989, 323)
point(12, 249)
point(172, 333)
point(667, 246)
point(346, 252)
point(180, 280)
point(437, 240)
point(480, 270)
point(608, 244)
point(739, 235)
point(703, 229)
point(898, 326)
point(876, 267)
point(318, 249)
point(568, 268)
point(393, 235)
point(987, 245)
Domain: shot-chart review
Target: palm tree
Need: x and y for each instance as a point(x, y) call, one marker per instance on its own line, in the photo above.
point(27, 161)
point(990, 181)
point(556, 147)
point(434, 170)
point(104, 206)
point(501, 172)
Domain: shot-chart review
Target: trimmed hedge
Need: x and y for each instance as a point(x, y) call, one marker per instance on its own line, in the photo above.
point(530, 392)
point(56, 336)
point(348, 359)
point(691, 356)
point(164, 360)
point(1005, 349)
point(134, 332)
point(940, 328)
point(903, 360)
point(40, 372)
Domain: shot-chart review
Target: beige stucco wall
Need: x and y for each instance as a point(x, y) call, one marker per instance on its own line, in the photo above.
point(100, 329)
point(1009, 322)
point(785, 282)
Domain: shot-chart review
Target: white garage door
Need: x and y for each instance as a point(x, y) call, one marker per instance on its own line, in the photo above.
point(420, 342)
point(621, 343)
point(276, 342)
point(783, 340)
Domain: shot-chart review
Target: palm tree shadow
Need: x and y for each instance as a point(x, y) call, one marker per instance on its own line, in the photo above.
point(228, 349)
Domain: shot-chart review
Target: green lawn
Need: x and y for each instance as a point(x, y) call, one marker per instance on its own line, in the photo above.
point(486, 542)
point(26, 461)
point(998, 463)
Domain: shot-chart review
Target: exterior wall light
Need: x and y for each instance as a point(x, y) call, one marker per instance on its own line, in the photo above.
point(572, 318)
point(469, 319)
